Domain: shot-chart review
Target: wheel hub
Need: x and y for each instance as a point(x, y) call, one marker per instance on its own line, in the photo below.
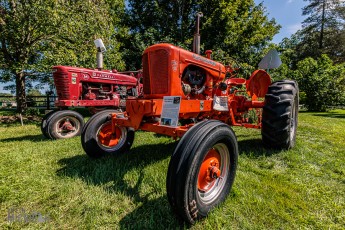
point(67, 126)
point(209, 171)
point(107, 137)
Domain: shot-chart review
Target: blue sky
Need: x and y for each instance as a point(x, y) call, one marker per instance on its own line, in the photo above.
point(288, 14)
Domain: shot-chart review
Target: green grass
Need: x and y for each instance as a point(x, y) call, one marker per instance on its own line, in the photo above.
point(301, 188)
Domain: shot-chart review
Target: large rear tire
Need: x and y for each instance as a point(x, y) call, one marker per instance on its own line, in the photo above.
point(202, 170)
point(98, 140)
point(64, 124)
point(280, 115)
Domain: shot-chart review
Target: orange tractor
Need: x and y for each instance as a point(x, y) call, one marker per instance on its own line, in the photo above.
point(196, 100)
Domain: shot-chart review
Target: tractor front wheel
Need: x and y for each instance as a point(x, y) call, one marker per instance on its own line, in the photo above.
point(202, 170)
point(64, 124)
point(98, 139)
point(280, 115)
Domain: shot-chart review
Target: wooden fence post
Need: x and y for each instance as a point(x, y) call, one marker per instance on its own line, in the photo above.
point(48, 101)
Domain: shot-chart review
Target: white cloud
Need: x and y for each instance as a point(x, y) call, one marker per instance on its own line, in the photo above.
point(293, 28)
point(289, 1)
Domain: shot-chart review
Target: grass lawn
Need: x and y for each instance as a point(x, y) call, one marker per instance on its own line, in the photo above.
point(56, 181)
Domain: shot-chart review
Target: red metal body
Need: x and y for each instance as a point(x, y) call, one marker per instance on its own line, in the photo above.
point(172, 71)
point(94, 88)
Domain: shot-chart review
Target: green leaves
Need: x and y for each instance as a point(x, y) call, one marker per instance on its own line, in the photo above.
point(238, 27)
point(36, 35)
point(323, 30)
point(320, 80)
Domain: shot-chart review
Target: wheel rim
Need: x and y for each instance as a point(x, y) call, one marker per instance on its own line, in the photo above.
point(213, 173)
point(293, 122)
point(67, 127)
point(109, 141)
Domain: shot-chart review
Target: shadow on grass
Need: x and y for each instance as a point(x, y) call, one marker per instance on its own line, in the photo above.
point(154, 212)
point(330, 115)
point(254, 148)
point(33, 138)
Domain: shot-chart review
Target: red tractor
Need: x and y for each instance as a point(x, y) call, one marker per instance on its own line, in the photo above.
point(196, 99)
point(95, 89)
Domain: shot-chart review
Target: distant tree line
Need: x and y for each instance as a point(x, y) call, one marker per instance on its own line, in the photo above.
point(315, 55)
point(37, 34)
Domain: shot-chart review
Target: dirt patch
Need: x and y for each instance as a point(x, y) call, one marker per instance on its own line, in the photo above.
point(16, 118)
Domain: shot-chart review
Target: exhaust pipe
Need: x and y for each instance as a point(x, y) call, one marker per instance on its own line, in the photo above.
point(99, 58)
point(100, 49)
point(196, 41)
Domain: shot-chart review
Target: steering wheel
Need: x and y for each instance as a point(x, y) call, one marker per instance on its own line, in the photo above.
point(232, 69)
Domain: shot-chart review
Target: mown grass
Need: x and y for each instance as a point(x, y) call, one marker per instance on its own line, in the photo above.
point(300, 188)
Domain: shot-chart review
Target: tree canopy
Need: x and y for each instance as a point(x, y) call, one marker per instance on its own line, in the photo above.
point(323, 31)
point(239, 28)
point(315, 55)
point(37, 34)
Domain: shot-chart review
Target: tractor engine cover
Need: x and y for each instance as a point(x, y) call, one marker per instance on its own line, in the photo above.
point(91, 87)
point(167, 70)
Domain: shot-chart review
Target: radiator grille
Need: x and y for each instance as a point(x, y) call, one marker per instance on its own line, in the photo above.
point(146, 74)
point(62, 86)
point(155, 72)
point(159, 63)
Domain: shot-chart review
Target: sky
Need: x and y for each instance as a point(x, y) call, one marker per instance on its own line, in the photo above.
point(287, 13)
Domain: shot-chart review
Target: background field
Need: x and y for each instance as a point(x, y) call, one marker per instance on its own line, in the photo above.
point(300, 188)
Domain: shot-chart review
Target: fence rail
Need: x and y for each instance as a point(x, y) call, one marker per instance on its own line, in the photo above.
point(31, 101)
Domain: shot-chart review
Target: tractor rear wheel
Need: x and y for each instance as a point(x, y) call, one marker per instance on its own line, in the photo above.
point(202, 170)
point(64, 124)
point(280, 115)
point(97, 138)
point(44, 124)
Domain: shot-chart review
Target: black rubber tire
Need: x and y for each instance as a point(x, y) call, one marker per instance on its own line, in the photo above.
point(89, 137)
point(107, 111)
point(53, 120)
point(44, 124)
point(182, 178)
point(280, 115)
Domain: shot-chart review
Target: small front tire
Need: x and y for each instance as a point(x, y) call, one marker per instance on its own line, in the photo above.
point(98, 140)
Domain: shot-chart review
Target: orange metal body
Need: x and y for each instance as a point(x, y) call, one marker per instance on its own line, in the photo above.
point(209, 170)
point(172, 71)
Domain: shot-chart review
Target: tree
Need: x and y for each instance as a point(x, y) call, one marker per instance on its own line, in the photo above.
point(37, 34)
point(237, 27)
point(322, 82)
point(323, 30)
point(321, 16)
point(314, 56)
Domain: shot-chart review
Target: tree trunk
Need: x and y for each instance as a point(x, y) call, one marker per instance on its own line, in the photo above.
point(20, 92)
point(322, 24)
